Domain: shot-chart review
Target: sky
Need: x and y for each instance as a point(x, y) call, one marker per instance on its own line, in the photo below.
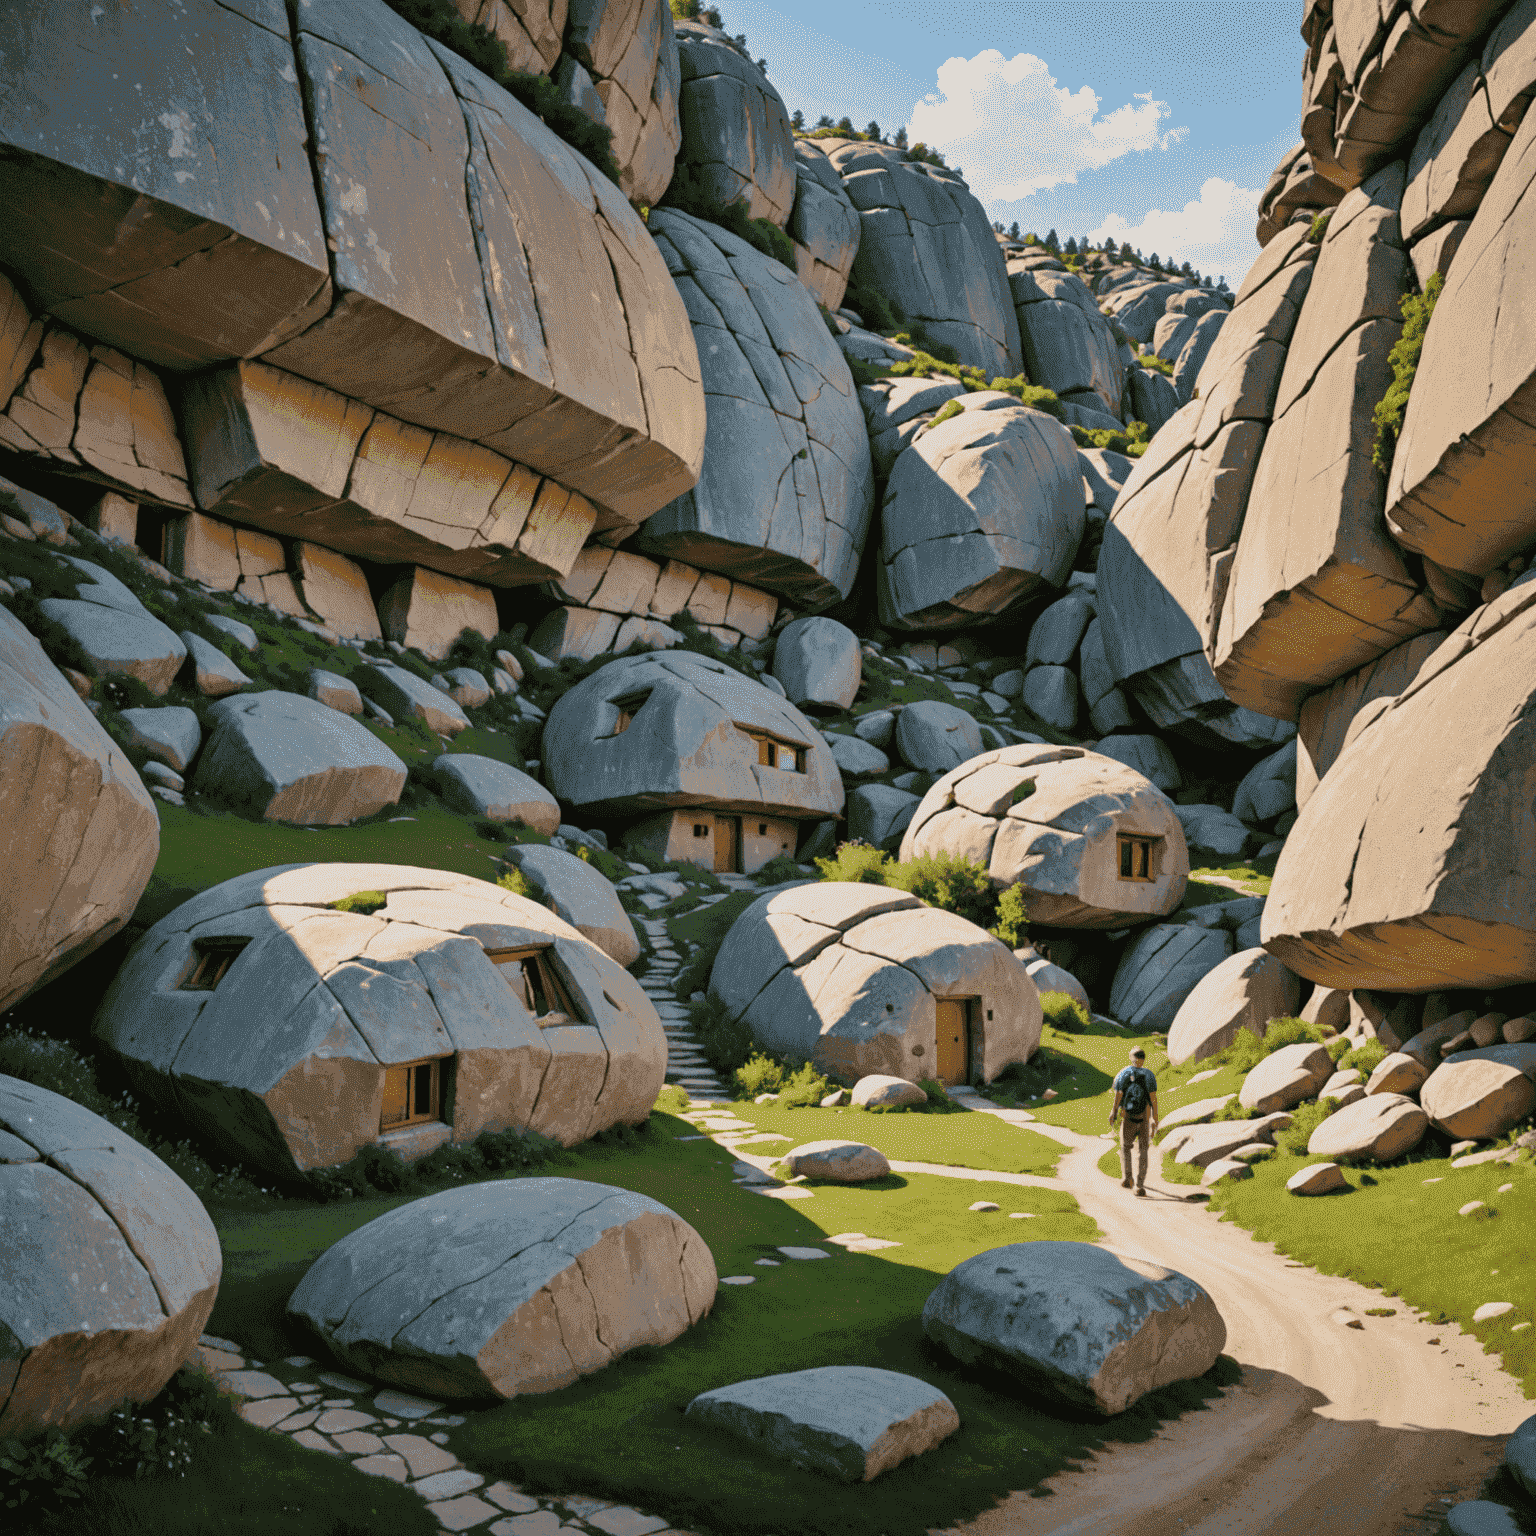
point(1153, 121)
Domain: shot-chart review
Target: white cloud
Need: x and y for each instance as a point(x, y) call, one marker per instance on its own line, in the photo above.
point(1213, 232)
point(1015, 131)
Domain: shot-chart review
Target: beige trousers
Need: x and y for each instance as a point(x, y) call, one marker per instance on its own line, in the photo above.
point(1137, 1132)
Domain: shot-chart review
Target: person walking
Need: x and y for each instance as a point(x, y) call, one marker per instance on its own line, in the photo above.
point(1135, 1098)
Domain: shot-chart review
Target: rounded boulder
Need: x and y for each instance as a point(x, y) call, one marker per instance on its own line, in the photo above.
point(880, 1091)
point(1076, 1323)
point(483, 786)
point(111, 1264)
point(506, 1288)
point(1245, 991)
point(1317, 1179)
point(1397, 1073)
point(839, 1162)
point(1285, 1077)
point(1380, 1127)
point(1476, 1099)
point(819, 663)
point(1520, 1455)
point(583, 896)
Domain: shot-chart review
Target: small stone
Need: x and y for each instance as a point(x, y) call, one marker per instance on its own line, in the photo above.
point(792, 1252)
point(392, 1467)
point(315, 1442)
point(620, 1520)
point(1317, 1179)
point(267, 1411)
point(359, 1443)
point(735, 1279)
point(403, 1406)
point(541, 1522)
point(298, 1421)
point(769, 1263)
point(510, 1499)
point(985, 1205)
point(1492, 1309)
point(448, 1484)
point(253, 1384)
point(1475, 1208)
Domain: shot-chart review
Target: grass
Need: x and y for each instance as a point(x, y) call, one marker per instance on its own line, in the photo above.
point(622, 1433)
point(1452, 1265)
point(957, 1141)
point(698, 934)
point(1253, 880)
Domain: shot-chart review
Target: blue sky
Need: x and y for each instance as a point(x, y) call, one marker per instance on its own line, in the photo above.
point(1154, 120)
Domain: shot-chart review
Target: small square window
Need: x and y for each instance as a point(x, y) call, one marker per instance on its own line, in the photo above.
point(1138, 857)
point(627, 707)
point(211, 960)
point(700, 829)
point(413, 1093)
point(762, 829)
point(537, 984)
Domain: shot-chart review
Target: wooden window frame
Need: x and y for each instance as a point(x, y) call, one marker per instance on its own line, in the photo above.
point(211, 962)
point(1128, 845)
point(769, 747)
point(561, 1007)
point(437, 1083)
point(628, 707)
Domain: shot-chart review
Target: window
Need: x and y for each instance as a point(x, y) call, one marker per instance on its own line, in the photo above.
point(700, 829)
point(211, 960)
point(413, 1093)
point(1138, 857)
point(628, 707)
point(537, 984)
point(778, 754)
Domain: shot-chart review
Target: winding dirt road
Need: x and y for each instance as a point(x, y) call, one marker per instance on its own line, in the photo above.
point(1333, 1430)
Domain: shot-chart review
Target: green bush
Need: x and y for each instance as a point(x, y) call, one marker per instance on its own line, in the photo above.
point(366, 902)
point(1035, 395)
point(1367, 1056)
point(1132, 441)
point(1155, 364)
point(1249, 1049)
point(725, 1042)
point(779, 869)
point(1063, 1011)
point(879, 315)
point(799, 1086)
point(857, 863)
point(946, 412)
point(381, 1170)
point(439, 20)
point(688, 193)
point(1232, 1110)
point(1305, 1119)
point(1319, 228)
point(519, 884)
point(1404, 358)
point(1011, 919)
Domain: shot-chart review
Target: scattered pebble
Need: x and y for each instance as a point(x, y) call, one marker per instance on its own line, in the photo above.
point(985, 1205)
point(1492, 1309)
point(736, 1279)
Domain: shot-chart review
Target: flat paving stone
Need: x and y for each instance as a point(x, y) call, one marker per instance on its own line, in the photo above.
point(735, 1279)
point(266, 1412)
point(298, 1421)
point(420, 1454)
point(403, 1406)
point(461, 1514)
point(542, 1522)
point(510, 1499)
point(252, 1384)
point(792, 1252)
point(448, 1485)
point(359, 1442)
point(337, 1421)
point(392, 1467)
point(343, 1383)
point(620, 1520)
point(313, 1442)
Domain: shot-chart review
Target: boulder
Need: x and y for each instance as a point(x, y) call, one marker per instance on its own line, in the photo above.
point(336, 589)
point(1148, 755)
point(1159, 969)
point(1201, 1145)
point(278, 1013)
point(116, 632)
point(926, 243)
point(1233, 1167)
point(1286, 1077)
point(839, 1162)
point(786, 493)
point(980, 513)
point(1470, 1097)
point(335, 692)
point(112, 1264)
point(872, 985)
point(466, 687)
point(282, 757)
point(819, 664)
point(482, 786)
point(427, 611)
point(850, 1422)
point(1268, 789)
point(1317, 1179)
point(171, 735)
point(1093, 843)
point(1208, 826)
point(1343, 1087)
point(1424, 1047)
point(1520, 1455)
point(936, 736)
point(1482, 1517)
point(736, 139)
point(880, 814)
point(1378, 1128)
point(1245, 991)
point(857, 757)
point(508, 1288)
point(824, 225)
point(213, 673)
point(1052, 978)
point(878, 1091)
point(1072, 1322)
point(1194, 349)
point(1068, 345)
point(1399, 1074)
point(404, 694)
point(1326, 1006)
point(573, 890)
point(1050, 693)
point(242, 634)
point(1196, 1113)
point(81, 834)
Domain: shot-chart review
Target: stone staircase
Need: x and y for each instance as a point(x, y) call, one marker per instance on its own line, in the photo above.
point(686, 1065)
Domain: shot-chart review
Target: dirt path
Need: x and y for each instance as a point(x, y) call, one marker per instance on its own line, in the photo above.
point(1332, 1429)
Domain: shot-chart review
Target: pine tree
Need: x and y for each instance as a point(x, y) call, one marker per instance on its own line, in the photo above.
point(1070, 248)
point(1013, 230)
point(901, 138)
point(823, 121)
point(845, 125)
point(873, 130)
point(797, 122)
point(1052, 243)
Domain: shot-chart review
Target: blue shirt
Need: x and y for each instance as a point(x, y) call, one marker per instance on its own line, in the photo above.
point(1123, 1079)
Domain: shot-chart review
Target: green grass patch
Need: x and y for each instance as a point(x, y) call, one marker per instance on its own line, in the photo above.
point(955, 1141)
point(1451, 1265)
point(1180, 1173)
point(1252, 880)
point(698, 934)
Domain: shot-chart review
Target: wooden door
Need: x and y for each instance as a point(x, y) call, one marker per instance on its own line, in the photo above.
point(727, 844)
point(954, 1040)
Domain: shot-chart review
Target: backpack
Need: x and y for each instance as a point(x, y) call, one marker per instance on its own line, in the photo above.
point(1135, 1098)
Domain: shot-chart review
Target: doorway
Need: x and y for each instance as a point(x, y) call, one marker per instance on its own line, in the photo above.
point(727, 845)
point(953, 1055)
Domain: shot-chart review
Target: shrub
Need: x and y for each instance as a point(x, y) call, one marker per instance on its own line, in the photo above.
point(439, 20)
point(1305, 1119)
point(949, 410)
point(1249, 1049)
point(672, 1100)
point(1035, 395)
point(1319, 228)
point(44, 1472)
point(688, 194)
point(758, 1074)
point(947, 880)
point(1232, 1110)
point(779, 869)
point(365, 902)
point(804, 1088)
point(1155, 364)
point(878, 314)
point(861, 863)
point(1404, 358)
point(518, 883)
point(1132, 442)
point(1063, 1011)
point(1367, 1056)
point(725, 1042)
point(1011, 919)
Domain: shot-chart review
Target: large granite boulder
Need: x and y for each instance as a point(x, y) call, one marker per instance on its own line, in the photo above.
point(1160, 968)
point(81, 834)
point(426, 611)
point(737, 144)
point(583, 896)
point(926, 244)
point(936, 736)
point(283, 757)
point(1093, 843)
point(1473, 1096)
point(1193, 352)
point(819, 663)
point(1286, 1077)
point(1072, 1322)
point(482, 786)
point(403, 694)
point(1356, 902)
point(786, 491)
point(503, 1289)
point(116, 633)
point(1520, 1455)
point(980, 513)
point(824, 225)
point(516, 311)
point(1378, 1128)
point(280, 1014)
point(111, 1265)
point(633, 64)
point(878, 814)
point(864, 980)
point(1068, 345)
point(1245, 991)
point(650, 732)
point(1461, 492)
point(851, 1422)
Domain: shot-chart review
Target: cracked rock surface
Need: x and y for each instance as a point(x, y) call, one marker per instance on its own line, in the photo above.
point(81, 832)
point(847, 976)
point(786, 492)
point(510, 1287)
point(824, 225)
point(112, 1265)
point(284, 1061)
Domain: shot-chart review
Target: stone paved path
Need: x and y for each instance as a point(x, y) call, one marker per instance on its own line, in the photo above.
point(686, 1065)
